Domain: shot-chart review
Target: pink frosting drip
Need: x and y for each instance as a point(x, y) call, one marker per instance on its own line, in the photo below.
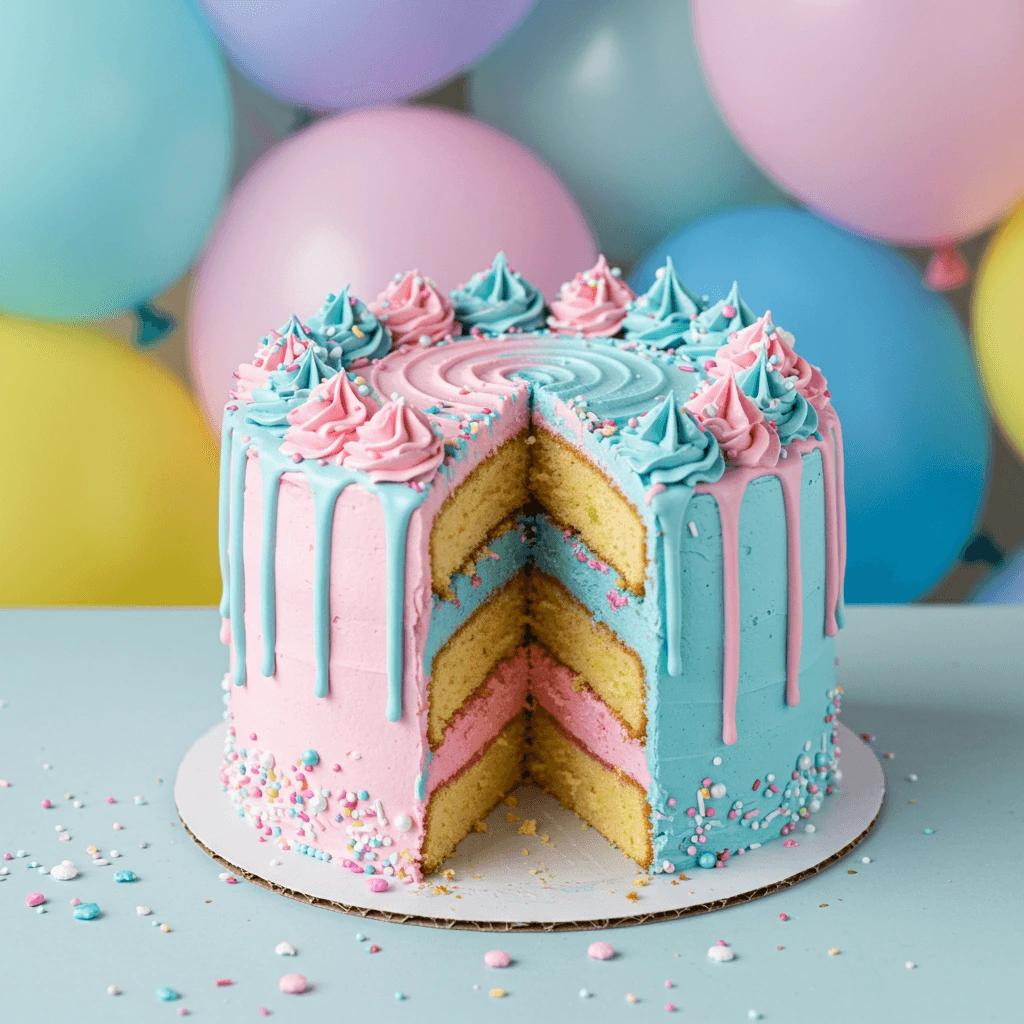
point(745, 436)
point(328, 420)
point(592, 304)
point(412, 307)
point(743, 348)
point(398, 445)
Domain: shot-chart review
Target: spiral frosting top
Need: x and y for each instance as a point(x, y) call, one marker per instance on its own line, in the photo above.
point(714, 325)
point(348, 330)
point(663, 316)
point(412, 308)
point(737, 423)
point(328, 419)
point(593, 304)
point(778, 399)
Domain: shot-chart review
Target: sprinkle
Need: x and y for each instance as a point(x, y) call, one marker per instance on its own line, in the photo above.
point(166, 995)
point(372, 949)
point(584, 994)
point(400, 996)
point(118, 826)
point(47, 804)
point(497, 958)
point(377, 883)
point(929, 831)
point(125, 876)
point(630, 998)
point(113, 990)
point(165, 928)
point(910, 965)
point(720, 952)
point(35, 899)
point(670, 1007)
point(143, 911)
point(111, 800)
point(284, 949)
point(64, 871)
point(865, 860)
point(783, 917)
point(114, 854)
point(834, 951)
point(223, 982)
point(497, 993)
point(293, 984)
point(86, 911)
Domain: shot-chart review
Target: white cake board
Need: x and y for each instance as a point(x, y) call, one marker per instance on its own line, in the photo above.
point(513, 882)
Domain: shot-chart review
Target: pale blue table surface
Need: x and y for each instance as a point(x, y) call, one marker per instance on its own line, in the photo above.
point(112, 699)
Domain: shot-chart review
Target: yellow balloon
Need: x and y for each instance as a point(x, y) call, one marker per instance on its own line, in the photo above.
point(999, 326)
point(108, 475)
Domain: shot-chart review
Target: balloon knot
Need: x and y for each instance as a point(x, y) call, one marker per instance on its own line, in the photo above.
point(946, 270)
point(152, 325)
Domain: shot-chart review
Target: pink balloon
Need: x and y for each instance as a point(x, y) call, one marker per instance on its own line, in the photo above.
point(355, 199)
point(901, 120)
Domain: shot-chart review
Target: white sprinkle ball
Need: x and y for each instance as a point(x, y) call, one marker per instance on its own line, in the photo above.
point(64, 871)
point(284, 949)
point(717, 761)
point(77, 804)
point(113, 990)
point(143, 911)
point(584, 993)
point(911, 777)
point(720, 954)
point(910, 965)
point(865, 860)
point(115, 854)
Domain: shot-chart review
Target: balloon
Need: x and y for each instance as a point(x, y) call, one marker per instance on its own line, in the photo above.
point(261, 121)
point(339, 54)
point(903, 121)
point(110, 475)
point(1005, 585)
point(115, 145)
point(612, 96)
point(998, 331)
point(899, 369)
point(359, 197)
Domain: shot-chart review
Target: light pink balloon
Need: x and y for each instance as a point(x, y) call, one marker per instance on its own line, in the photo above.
point(901, 119)
point(355, 199)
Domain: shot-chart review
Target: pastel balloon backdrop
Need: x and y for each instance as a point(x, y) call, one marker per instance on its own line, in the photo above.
point(998, 331)
point(334, 54)
point(611, 94)
point(899, 369)
point(109, 475)
point(903, 121)
point(355, 199)
point(115, 149)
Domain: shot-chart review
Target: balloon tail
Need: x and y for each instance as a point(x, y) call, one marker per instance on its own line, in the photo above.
point(981, 548)
point(304, 117)
point(152, 325)
point(946, 270)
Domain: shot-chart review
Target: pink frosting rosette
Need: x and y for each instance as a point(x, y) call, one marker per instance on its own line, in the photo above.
point(280, 350)
point(742, 432)
point(743, 348)
point(593, 304)
point(398, 445)
point(327, 420)
point(411, 307)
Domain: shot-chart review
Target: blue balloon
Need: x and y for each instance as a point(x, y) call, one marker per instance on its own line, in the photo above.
point(1004, 585)
point(115, 150)
point(899, 368)
point(611, 94)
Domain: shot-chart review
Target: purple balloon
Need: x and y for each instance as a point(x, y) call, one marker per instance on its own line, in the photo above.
point(335, 54)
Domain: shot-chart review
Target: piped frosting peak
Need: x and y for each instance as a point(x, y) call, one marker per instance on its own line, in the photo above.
point(322, 426)
point(279, 348)
point(714, 325)
point(412, 308)
point(348, 330)
point(668, 447)
point(398, 445)
point(663, 316)
point(778, 399)
point(593, 304)
point(498, 300)
point(739, 425)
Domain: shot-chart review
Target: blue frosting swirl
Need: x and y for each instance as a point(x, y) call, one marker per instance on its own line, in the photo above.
point(348, 330)
point(498, 300)
point(777, 397)
point(663, 316)
point(669, 448)
point(285, 389)
point(714, 324)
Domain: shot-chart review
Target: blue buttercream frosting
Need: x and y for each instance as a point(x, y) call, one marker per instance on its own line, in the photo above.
point(714, 324)
point(286, 389)
point(663, 316)
point(498, 300)
point(348, 331)
point(777, 397)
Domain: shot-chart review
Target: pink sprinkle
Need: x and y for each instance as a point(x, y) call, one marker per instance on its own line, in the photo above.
point(790, 843)
point(223, 982)
point(35, 899)
point(497, 958)
point(728, 311)
point(7, 856)
point(47, 804)
point(378, 884)
point(633, 422)
point(264, 1012)
point(669, 984)
point(691, 811)
point(722, 942)
point(600, 951)
point(335, 767)
point(296, 457)
point(293, 984)
point(691, 850)
point(706, 782)
point(375, 949)
point(670, 1007)
point(783, 917)
point(252, 735)
point(232, 880)
point(118, 826)
point(182, 1012)
point(111, 800)
point(75, 901)
point(671, 801)
point(64, 837)
point(616, 600)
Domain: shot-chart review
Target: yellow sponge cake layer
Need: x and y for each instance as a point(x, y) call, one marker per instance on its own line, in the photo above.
point(487, 497)
point(568, 630)
point(493, 633)
point(576, 494)
point(605, 798)
point(472, 794)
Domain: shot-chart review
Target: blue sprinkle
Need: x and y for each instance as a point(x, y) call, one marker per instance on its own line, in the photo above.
point(166, 995)
point(125, 876)
point(338, 817)
point(399, 996)
point(370, 855)
point(369, 870)
point(929, 831)
point(310, 758)
point(360, 937)
point(363, 795)
point(86, 911)
point(707, 859)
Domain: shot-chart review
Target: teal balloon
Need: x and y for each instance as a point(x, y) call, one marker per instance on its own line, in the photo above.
point(115, 151)
point(611, 94)
point(899, 368)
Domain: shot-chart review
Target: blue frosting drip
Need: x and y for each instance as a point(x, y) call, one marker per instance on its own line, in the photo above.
point(286, 389)
point(779, 400)
point(713, 326)
point(499, 300)
point(662, 317)
point(670, 449)
point(348, 330)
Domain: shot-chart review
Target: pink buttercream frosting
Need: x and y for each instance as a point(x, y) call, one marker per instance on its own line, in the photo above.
point(411, 307)
point(398, 445)
point(328, 420)
point(593, 304)
point(743, 347)
point(746, 437)
point(280, 350)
